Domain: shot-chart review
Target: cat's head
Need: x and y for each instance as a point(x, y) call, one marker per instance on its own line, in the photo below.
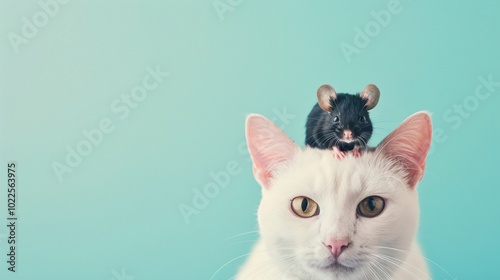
point(323, 218)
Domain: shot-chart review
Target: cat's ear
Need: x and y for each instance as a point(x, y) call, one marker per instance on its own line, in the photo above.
point(409, 144)
point(268, 146)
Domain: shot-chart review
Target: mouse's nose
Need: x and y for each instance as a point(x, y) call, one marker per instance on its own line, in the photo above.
point(337, 246)
point(347, 134)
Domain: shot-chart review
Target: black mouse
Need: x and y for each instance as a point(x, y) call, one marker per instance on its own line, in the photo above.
point(340, 121)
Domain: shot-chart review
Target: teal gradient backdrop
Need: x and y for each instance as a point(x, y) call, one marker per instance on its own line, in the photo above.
point(116, 213)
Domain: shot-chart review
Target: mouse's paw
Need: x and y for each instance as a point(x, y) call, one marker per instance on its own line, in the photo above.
point(357, 152)
point(338, 153)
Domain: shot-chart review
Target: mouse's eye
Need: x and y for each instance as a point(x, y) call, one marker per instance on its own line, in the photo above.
point(336, 119)
point(362, 119)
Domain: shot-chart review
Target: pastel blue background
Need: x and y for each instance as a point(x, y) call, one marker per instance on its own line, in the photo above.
point(117, 213)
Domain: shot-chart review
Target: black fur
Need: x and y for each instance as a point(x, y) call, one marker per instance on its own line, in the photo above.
point(323, 133)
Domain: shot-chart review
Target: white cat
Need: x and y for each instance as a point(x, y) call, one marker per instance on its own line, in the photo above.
point(324, 218)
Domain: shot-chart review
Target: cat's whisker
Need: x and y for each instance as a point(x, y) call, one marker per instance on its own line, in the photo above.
point(410, 265)
point(288, 260)
point(365, 274)
point(370, 270)
point(396, 264)
point(414, 253)
point(378, 259)
point(384, 269)
point(245, 241)
point(241, 234)
point(244, 255)
point(227, 263)
point(374, 270)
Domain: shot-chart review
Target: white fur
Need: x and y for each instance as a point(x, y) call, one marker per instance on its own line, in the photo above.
point(383, 247)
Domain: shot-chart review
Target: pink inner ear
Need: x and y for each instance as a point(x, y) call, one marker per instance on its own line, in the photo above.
point(409, 145)
point(268, 147)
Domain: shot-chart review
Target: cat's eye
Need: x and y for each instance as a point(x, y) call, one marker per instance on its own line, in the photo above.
point(371, 206)
point(304, 207)
point(336, 118)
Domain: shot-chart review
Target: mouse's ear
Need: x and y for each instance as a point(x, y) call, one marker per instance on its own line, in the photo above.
point(325, 94)
point(372, 94)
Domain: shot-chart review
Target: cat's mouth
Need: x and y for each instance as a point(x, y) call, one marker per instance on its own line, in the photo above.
point(336, 267)
point(339, 267)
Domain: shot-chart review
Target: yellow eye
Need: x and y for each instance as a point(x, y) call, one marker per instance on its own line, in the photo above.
point(371, 206)
point(304, 207)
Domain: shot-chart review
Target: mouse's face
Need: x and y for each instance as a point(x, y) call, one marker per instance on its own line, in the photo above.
point(344, 122)
point(349, 121)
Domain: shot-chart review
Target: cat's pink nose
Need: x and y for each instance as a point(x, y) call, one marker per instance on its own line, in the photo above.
point(337, 246)
point(347, 134)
